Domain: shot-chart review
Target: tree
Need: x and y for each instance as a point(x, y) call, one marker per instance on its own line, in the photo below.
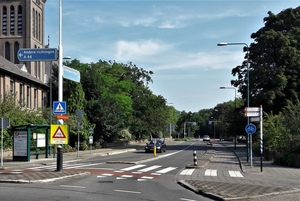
point(274, 62)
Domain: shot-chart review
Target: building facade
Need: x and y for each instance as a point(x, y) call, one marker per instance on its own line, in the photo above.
point(22, 26)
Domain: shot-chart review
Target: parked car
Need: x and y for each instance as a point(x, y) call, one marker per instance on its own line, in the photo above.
point(160, 146)
point(206, 138)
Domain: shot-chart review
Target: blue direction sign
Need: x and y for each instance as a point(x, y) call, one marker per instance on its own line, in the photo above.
point(250, 129)
point(38, 54)
point(59, 107)
point(71, 74)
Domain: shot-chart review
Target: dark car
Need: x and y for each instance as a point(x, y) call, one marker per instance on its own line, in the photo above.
point(160, 146)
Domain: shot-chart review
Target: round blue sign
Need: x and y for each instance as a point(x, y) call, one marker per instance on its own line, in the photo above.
point(250, 129)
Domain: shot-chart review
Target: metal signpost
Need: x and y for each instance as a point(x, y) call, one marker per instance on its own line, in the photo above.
point(37, 54)
point(256, 115)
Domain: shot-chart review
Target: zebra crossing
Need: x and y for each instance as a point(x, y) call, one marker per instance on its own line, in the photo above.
point(139, 172)
point(211, 173)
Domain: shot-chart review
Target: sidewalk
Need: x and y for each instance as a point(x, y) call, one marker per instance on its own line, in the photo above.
point(251, 183)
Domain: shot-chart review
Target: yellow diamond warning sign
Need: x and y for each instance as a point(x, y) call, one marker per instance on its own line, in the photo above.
point(59, 134)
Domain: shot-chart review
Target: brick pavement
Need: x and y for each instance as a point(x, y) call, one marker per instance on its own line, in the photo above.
point(252, 183)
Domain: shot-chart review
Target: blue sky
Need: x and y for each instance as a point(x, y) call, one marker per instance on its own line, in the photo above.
point(177, 40)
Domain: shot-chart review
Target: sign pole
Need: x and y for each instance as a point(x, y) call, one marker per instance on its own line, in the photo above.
point(2, 143)
point(261, 139)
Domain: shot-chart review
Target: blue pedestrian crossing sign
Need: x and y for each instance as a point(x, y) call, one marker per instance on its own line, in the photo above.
point(59, 107)
point(250, 129)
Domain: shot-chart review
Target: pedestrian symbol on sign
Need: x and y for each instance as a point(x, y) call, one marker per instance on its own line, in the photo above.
point(59, 107)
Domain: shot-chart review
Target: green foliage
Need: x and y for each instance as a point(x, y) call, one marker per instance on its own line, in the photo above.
point(274, 62)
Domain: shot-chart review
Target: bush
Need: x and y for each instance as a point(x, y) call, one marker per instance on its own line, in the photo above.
point(84, 146)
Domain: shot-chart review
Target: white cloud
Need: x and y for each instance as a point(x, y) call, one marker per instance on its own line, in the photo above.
point(135, 49)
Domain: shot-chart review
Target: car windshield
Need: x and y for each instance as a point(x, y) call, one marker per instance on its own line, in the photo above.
point(155, 141)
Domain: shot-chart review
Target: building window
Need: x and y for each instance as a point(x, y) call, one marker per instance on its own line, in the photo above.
point(12, 87)
point(33, 23)
point(4, 20)
point(12, 20)
point(36, 24)
point(43, 100)
point(28, 97)
point(20, 20)
point(7, 51)
point(39, 27)
point(35, 98)
point(21, 95)
point(16, 49)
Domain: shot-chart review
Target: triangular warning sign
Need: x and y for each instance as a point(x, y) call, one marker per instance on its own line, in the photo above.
point(59, 133)
point(59, 108)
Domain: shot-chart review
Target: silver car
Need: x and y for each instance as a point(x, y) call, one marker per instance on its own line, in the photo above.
point(206, 138)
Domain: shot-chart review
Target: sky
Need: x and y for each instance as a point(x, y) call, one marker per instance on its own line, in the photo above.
point(177, 40)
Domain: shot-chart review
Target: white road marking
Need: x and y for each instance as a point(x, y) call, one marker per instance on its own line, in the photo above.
point(105, 174)
point(120, 178)
point(123, 191)
point(186, 199)
point(235, 174)
point(187, 172)
point(210, 172)
point(67, 186)
point(136, 172)
point(144, 177)
point(127, 176)
point(163, 171)
point(149, 168)
point(100, 176)
point(83, 165)
point(133, 167)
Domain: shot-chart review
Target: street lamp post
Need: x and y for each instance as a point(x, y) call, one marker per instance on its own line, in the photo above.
point(234, 112)
point(248, 91)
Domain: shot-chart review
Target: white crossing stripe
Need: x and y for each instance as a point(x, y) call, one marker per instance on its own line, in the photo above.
point(144, 177)
point(163, 171)
point(107, 174)
point(133, 167)
point(149, 168)
point(235, 174)
point(187, 172)
point(127, 176)
point(210, 172)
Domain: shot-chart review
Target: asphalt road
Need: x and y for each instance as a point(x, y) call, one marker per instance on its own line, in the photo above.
point(118, 178)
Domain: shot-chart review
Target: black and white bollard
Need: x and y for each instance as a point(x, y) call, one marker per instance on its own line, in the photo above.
point(195, 158)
